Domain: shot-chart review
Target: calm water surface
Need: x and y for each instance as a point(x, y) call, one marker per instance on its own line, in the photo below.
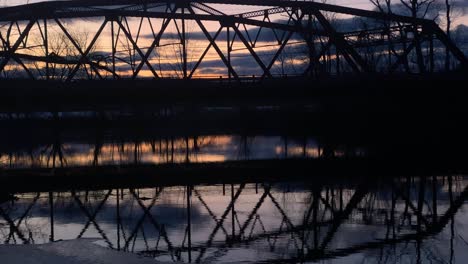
point(321, 219)
point(59, 152)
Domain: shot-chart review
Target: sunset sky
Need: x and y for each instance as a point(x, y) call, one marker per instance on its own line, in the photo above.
point(461, 6)
point(243, 63)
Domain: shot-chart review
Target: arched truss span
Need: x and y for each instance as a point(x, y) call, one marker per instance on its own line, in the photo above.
point(188, 39)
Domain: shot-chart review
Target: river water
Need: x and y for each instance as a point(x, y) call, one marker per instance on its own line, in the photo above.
point(401, 220)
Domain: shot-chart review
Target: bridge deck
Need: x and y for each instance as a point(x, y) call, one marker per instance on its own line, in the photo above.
point(342, 94)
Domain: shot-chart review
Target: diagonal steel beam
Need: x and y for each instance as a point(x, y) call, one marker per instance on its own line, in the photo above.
point(401, 58)
point(357, 197)
point(20, 62)
point(18, 42)
point(213, 216)
point(448, 43)
point(215, 46)
point(91, 218)
point(278, 52)
point(255, 210)
point(83, 54)
point(156, 40)
point(143, 217)
point(252, 52)
point(204, 53)
point(13, 227)
point(350, 54)
point(287, 220)
point(147, 213)
point(416, 211)
point(135, 46)
point(220, 223)
point(21, 219)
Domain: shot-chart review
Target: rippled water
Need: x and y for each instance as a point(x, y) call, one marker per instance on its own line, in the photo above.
point(402, 220)
point(362, 213)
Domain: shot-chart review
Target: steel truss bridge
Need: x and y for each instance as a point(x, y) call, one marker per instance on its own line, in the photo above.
point(112, 39)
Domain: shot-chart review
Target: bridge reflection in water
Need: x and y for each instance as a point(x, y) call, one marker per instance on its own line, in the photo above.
point(194, 149)
point(398, 220)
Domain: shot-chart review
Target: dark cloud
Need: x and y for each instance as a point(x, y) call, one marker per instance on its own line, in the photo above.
point(265, 35)
point(436, 7)
point(460, 35)
point(243, 63)
point(462, 4)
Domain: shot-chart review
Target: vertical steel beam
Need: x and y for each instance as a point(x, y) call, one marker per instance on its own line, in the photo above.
point(434, 199)
point(189, 222)
point(233, 213)
point(228, 37)
point(51, 215)
point(431, 55)
point(118, 219)
point(46, 47)
point(311, 46)
point(184, 47)
point(114, 74)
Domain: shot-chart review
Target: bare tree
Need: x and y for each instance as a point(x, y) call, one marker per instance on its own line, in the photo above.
point(384, 6)
point(57, 58)
point(418, 9)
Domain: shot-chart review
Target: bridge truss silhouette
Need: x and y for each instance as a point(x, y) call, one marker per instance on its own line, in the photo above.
point(128, 220)
point(111, 39)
